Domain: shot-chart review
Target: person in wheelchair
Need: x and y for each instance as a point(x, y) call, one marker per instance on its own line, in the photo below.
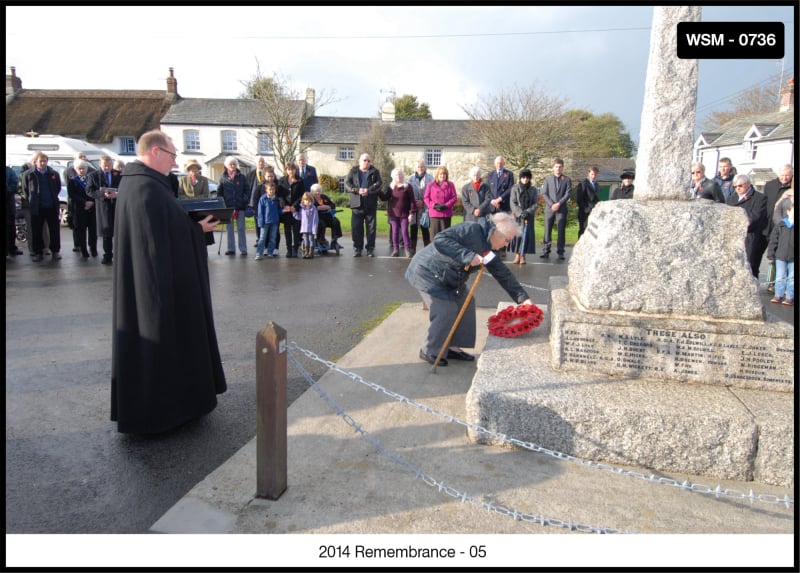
point(326, 209)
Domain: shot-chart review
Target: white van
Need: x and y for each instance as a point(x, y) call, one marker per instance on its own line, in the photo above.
point(60, 153)
point(59, 150)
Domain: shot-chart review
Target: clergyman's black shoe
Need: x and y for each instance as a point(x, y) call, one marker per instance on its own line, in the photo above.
point(561, 257)
point(432, 359)
point(544, 256)
point(459, 355)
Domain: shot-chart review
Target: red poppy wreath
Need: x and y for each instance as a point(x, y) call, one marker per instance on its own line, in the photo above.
point(515, 321)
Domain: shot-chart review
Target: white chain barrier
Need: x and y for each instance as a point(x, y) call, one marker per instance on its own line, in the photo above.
point(419, 474)
point(718, 491)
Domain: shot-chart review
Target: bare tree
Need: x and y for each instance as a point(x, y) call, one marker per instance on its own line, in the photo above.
point(754, 101)
point(288, 113)
point(524, 125)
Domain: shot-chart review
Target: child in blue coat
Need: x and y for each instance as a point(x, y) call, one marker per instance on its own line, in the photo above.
point(268, 218)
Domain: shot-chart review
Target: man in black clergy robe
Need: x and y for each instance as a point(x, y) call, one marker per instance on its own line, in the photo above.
point(165, 363)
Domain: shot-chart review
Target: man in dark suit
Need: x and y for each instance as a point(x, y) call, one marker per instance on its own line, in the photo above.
point(587, 197)
point(556, 191)
point(500, 182)
point(755, 207)
point(306, 173)
point(103, 187)
point(703, 187)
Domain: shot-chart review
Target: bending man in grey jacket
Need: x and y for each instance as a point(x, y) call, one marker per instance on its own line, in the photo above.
point(440, 272)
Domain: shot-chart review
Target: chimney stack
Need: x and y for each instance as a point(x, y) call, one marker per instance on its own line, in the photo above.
point(387, 111)
point(787, 95)
point(13, 83)
point(172, 84)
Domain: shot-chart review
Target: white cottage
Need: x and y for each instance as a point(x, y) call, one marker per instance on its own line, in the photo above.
point(757, 146)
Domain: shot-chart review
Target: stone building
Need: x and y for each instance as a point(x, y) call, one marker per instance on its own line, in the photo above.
point(208, 130)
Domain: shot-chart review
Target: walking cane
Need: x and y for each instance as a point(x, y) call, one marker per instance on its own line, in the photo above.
point(458, 318)
point(521, 249)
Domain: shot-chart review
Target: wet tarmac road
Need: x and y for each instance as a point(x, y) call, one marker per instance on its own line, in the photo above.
point(68, 470)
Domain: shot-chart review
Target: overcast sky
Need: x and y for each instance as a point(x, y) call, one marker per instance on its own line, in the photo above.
point(594, 57)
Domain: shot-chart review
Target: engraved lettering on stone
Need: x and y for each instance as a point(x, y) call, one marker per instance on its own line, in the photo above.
point(682, 354)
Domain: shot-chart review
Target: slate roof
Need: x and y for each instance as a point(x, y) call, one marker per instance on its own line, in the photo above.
point(94, 115)
point(414, 132)
point(777, 125)
point(224, 112)
point(610, 168)
point(709, 137)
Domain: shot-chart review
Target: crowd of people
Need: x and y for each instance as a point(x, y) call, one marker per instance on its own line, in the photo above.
point(422, 203)
point(166, 364)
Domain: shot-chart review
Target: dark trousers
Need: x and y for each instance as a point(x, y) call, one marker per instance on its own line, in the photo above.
point(72, 216)
point(85, 223)
point(327, 220)
point(755, 244)
point(560, 218)
point(108, 244)
point(11, 238)
point(583, 217)
point(11, 228)
point(291, 230)
point(412, 233)
point(360, 219)
point(47, 217)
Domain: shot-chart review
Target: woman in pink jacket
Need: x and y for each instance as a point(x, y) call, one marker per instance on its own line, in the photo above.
point(440, 196)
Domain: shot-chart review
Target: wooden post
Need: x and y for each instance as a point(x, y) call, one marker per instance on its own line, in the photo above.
point(271, 414)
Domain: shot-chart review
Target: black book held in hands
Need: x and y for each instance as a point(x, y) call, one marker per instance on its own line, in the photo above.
point(199, 209)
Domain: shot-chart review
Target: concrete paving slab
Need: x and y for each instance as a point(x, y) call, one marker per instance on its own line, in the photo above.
point(339, 483)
